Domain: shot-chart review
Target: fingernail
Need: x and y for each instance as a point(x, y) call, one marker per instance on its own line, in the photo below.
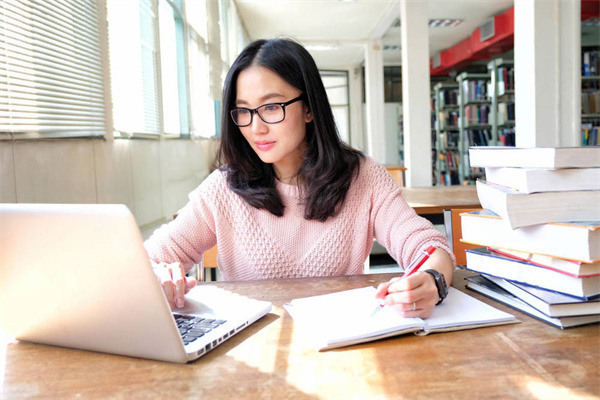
point(180, 302)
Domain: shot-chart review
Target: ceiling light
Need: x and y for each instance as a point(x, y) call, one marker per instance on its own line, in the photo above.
point(444, 22)
point(320, 47)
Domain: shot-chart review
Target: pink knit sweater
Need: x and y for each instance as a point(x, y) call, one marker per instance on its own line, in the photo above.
point(254, 244)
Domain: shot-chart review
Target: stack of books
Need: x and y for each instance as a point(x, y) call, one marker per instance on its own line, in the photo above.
point(540, 228)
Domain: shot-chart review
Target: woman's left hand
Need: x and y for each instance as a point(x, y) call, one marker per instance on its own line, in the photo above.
point(413, 296)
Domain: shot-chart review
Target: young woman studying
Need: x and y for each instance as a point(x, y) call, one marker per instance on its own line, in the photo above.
point(290, 199)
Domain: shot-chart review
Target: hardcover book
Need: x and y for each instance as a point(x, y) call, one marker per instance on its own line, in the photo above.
point(481, 285)
point(483, 261)
point(553, 304)
point(537, 157)
point(346, 318)
point(574, 240)
point(573, 268)
point(532, 180)
point(522, 209)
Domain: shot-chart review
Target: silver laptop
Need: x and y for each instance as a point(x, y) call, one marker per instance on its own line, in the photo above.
point(78, 276)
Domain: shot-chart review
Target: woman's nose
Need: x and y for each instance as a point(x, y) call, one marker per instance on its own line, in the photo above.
point(258, 125)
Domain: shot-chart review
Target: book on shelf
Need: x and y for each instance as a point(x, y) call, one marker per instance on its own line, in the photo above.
point(507, 136)
point(475, 90)
point(573, 240)
point(573, 268)
point(590, 64)
point(483, 261)
point(477, 137)
point(553, 304)
point(505, 78)
point(524, 209)
point(590, 135)
point(489, 289)
point(345, 318)
point(476, 114)
point(532, 180)
point(537, 157)
point(590, 102)
point(502, 116)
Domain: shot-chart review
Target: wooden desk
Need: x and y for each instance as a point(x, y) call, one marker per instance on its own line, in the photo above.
point(435, 199)
point(269, 360)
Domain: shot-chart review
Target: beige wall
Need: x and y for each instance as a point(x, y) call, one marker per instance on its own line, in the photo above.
point(152, 177)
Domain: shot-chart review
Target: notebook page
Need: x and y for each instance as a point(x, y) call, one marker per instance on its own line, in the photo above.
point(346, 317)
point(459, 310)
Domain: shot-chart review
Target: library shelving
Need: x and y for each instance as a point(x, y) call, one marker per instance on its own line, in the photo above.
point(473, 122)
point(501, 92)
point(445, 128)
point(590, 96)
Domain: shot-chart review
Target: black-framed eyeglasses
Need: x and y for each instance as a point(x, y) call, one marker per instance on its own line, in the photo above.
point(270, 113)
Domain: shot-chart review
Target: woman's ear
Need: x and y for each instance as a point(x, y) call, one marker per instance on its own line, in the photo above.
point(308, 116)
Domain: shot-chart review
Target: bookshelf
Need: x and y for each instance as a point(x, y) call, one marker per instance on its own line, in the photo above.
point(590, 96)
point(473, 122)
point(445, 128)
point(501, 92)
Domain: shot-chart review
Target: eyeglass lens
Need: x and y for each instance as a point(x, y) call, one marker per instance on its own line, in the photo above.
point(269, 113)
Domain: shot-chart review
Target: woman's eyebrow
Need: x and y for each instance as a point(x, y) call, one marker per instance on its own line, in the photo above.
point(263, 100)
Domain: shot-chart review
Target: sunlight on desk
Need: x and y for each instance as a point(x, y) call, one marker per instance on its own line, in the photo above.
point(286, 356)
point(347, 370)
point(542, 390)
point(5, 340)
point(264, 358)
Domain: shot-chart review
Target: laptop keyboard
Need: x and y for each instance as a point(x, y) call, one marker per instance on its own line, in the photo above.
point(192, 327)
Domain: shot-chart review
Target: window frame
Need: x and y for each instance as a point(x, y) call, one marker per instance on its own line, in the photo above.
point(48, 91)
point(213, 68)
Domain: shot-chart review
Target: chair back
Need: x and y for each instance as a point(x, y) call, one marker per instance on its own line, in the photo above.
point(209, 260)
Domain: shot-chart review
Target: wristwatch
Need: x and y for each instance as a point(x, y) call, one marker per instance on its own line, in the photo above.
point(440, 283)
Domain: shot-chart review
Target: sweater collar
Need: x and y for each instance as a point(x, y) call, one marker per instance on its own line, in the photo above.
point(287, 190)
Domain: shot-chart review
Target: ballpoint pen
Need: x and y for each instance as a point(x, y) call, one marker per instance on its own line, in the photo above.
point(412, 268)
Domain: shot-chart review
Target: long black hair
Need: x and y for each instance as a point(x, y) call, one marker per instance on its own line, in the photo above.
point(328, 165)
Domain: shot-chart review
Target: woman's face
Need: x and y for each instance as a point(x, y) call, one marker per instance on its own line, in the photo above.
point(280, 144)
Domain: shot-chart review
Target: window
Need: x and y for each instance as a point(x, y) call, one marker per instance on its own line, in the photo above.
point(173, 69)
point(50, 69)
point(202, 116)
point(159, 55)
point(148, 67)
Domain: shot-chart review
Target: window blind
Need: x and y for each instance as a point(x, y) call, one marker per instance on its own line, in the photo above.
point(50, 69)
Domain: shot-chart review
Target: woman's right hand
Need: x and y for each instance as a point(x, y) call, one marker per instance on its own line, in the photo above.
point(174, 282)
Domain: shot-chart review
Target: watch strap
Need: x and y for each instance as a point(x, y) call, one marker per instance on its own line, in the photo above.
point(440, 283)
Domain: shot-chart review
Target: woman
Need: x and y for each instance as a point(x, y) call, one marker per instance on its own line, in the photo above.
point(290, 199)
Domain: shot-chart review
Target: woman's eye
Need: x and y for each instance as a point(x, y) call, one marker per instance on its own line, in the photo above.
point(271, 107)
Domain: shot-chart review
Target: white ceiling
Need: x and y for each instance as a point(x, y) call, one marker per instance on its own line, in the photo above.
point(349, 24)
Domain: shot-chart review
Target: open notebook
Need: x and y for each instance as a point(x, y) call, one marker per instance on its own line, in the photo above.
point(346, 318)
point(78, 276)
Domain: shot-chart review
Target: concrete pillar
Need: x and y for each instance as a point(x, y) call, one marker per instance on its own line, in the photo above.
point(375, 100)
point(416, 92)
point(355, 83)
point(547, 73)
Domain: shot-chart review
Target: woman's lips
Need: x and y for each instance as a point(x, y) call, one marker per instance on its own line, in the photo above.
point(264, 146)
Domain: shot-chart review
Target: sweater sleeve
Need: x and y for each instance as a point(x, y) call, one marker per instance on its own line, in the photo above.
point(396, 225)
point(192, 232)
